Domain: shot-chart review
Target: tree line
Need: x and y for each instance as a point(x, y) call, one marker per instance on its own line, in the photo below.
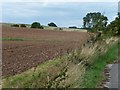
point(96, 22)
point(35, 25)
point(93, 22)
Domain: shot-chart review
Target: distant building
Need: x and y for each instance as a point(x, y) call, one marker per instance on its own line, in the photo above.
point(119, 7)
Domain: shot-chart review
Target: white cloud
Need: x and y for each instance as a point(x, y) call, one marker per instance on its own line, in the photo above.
point(64, 14)
point(114, 17)
point(45, 2)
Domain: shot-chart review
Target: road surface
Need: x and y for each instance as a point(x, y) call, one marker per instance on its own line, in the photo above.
point(114, 75)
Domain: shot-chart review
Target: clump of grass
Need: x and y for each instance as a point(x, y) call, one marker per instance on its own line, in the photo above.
point(13, 39)
point(93, 75)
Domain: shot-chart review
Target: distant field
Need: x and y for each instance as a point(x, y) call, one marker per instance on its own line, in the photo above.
point(24, 48)
point(9, 24)
point(50, 28)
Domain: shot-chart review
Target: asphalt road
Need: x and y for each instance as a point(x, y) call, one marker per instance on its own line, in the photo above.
point(114, 80)
point(114, 75)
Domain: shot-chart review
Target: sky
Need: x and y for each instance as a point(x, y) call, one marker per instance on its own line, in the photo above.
point(63, 14)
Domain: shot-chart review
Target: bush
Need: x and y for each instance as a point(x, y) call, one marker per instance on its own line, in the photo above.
point(52, 24)
point(15, 25)
point(73, 27)
point(60, 29)
point(36, 25)
point(22, 25)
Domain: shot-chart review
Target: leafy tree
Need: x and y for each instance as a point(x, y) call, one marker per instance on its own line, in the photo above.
point(118, 14)
point(114, 27)
point(36, 25)
point(95, 21)
point(52, 24)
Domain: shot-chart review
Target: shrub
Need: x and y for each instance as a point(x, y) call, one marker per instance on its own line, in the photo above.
point(52, 24)
point(73, 27)
point(60, 29)
point(36, 25)
point(15, 25)
point(22, 25)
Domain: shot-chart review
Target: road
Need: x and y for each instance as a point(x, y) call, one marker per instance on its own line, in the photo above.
point(114, 75)
point(113, 78)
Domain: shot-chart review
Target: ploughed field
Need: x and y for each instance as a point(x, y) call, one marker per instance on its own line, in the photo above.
point(31, 47)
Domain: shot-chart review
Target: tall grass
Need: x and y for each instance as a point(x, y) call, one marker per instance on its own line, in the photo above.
point(93, 75)
point(56, 73)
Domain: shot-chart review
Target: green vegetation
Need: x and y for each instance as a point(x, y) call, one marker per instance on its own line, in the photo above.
point(36, 25)
point(95, 21)
point(15, 25)
point(34, 77)
point(52, 24)
point(114, 27)
point(73, 27)
point(13, 39)
point(22, 25)
point(93, 75)
point(58, 72)
point(18, 25)
point(50, 28)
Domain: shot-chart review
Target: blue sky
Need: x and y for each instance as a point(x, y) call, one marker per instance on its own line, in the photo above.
point(64, 14)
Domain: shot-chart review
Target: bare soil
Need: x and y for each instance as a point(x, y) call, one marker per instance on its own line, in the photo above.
point(19, 56)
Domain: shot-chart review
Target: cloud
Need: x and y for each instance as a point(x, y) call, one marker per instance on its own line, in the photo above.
point(49, 1)
point(63, 14)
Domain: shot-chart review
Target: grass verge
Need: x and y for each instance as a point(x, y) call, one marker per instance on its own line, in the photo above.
point(93, 76)
point(35, 77)
point(57, 73)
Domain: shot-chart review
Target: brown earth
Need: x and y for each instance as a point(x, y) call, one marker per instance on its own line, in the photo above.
point(18, 56)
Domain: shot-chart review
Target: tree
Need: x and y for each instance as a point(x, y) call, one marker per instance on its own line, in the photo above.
point(118, 14)
point(73, 27)
point(114, 27)
point(52, 24)
point(22, 25)
point(36, 25)
point(95, 21)
point(15, 25)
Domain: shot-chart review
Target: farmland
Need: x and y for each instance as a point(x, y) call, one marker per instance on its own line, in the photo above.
point(40, 58)
point(24, 48)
